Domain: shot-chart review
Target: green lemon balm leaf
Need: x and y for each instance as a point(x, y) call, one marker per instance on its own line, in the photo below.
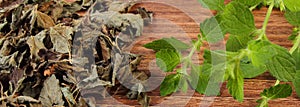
point(274, 92)
point(195, 73)
point(249, 3)
point(213, 4)
point(170, 84)
point(167, 59)
point(293, 17)
point(282, 65)
point(293, 5)
point(277, 59)
point(260, 52)
point(235, 43)
point(296, 82)
point(214, 56)
point(211, 30)
point(183, 85)
point(238, 19)
point(278, 91)
point(235, 84)
point(212, 76)
point(296, 55)
point(167, 43)
point(200, 77)
point(251, 71)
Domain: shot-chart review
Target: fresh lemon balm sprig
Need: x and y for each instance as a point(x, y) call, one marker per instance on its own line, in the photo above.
point(248, 53)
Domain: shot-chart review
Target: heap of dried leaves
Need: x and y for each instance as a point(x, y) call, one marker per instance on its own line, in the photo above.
point(65, 52)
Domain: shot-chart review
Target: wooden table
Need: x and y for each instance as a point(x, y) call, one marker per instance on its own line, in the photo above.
point(180, 19)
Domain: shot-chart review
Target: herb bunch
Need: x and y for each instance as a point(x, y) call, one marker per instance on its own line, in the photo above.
point(248, 54)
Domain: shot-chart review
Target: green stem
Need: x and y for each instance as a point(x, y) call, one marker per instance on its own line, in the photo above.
point(240, 56)
point(264, 102)
point(199, 42)
point(266, 21)
point(253, 7)
point(187, 59)
point(263, 36)
point(296, 44)
point(277, 82)
point(184, 67)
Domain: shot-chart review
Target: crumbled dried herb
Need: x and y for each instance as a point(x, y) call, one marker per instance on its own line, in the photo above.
point(64, 52)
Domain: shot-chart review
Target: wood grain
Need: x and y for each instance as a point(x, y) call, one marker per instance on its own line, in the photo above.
point(173, 20)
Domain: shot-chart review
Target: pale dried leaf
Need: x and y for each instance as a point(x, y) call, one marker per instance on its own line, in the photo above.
point(93, 80)
point(68, 96)
point(51, 94)
point(9, 61)
point(43, 20)
point(120, 6)
point(35, 43)
point(56, 12)
point(61, 38)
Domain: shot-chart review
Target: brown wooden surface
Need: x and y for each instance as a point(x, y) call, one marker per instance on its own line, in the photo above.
point(278, 30)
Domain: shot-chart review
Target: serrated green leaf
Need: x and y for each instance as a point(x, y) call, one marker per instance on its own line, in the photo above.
point(278, 91)
point(292, 17)
point(293, 5)
point(282, 65)
point(249, 3)
point(277, 59)
point(167, 59)
point(195, 75)
point(296, 56)
point(296, 82)
point(249, 70)
point(207, 56)
point(274, 92)
point(169, 84)
point(183, 85)
point(216, 77)
point(211, 30)
point(200, 77)
point(167, 43)
point(221, 23)
point(260, 52)
point(238, 19)
point(206, 79)
point(235, 43)
point(214, 57)
point(235, 84)
point(213, 4)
